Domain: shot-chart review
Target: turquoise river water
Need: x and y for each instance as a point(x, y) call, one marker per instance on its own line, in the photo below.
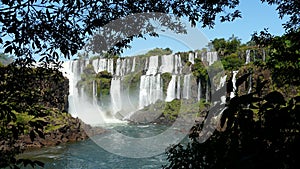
point(88, 155)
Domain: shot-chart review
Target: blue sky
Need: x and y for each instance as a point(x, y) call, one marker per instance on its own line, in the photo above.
point(255, 17)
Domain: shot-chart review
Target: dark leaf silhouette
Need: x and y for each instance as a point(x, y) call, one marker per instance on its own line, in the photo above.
point(242, 79)
point(32, 135)
point(275, 97)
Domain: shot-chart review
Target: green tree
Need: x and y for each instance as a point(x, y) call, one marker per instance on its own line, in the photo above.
point(284, 56)
point(226, 47)
point(255, 131)
point(53, 27)
point(159, 52)
point(26, 98)
point(219, 44)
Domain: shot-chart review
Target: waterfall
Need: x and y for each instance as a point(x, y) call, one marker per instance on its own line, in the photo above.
point(133, 65)
point(150, 90)
point(167, 64)
point(250, 84)
point(80, 105)
point(102, 65)
point(146, 64)
point(178, 88)
point(222, 82)
point(171, 92)
point(234, 73)
point(143, 99)
point(191, 58)
point(148, 85)
point(95, 63)
point(153, 65)
point(110, 66)
point(186, 86)
point(115, 95)
point(128, 64)
point(123, 67)
point(118, 67)
point(199, 90)
point(211, 57)
point(94, 92)
point(247, 56)
point(178, 65)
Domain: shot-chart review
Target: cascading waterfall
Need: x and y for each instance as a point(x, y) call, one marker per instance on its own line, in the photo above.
point(149, 86)
point(115, 96)
point(143, 99)
point(264, 55)
point(211, 57)
point(247, 56)
point(118, 67)
point(110, 66)
point(178, 88)
point(234, 73)
point(178, 65)
point(250, 84)
point(171, 92)
point(191, 58)
point(186, 86)
point(222, 82)
point(199, 90)
point(167, 64)
point(94, 92)
point(123, 67)
point(133, 65)
point(80, 105)
point(153, 65)
point(150, 90)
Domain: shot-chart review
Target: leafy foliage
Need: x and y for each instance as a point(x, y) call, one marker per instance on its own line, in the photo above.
point(166, 78)
point(229, 52)
point(256, 131)
point(101, 80)
point(284, 56)
point(158, 52)
point(232, 62)
point(25, 97)
point(226, 47)
point(199, 70)
point(53, 27)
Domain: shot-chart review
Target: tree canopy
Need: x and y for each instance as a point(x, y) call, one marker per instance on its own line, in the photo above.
point(56, 28)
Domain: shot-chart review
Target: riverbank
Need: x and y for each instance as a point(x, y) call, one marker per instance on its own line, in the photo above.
point(63, 129)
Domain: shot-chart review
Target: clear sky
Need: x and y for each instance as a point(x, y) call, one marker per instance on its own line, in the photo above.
point(255, 17)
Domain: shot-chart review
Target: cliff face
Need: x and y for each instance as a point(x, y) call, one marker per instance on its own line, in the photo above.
point(119, 86)
point(33, 110)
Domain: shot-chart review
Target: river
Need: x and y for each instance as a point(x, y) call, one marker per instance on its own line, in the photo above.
point(89, 155)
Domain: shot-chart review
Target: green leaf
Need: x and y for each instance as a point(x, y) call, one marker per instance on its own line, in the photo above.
point(242, 79)
point(275, 98)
